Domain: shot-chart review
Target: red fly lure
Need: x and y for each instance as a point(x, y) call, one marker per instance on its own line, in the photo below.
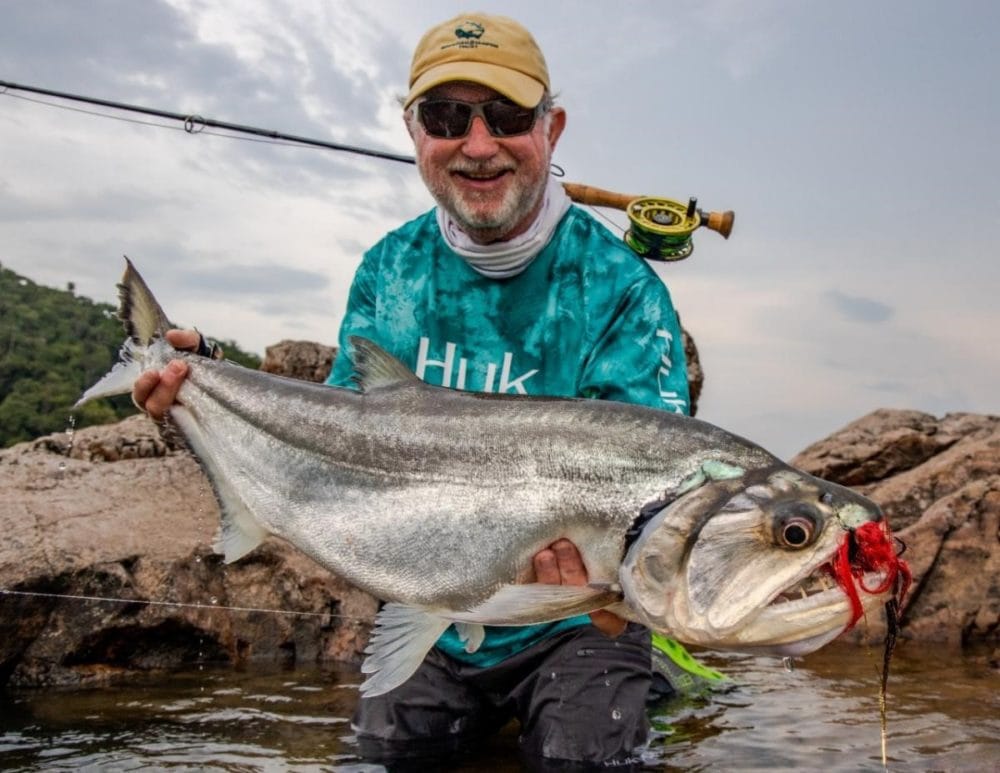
point(870, 548)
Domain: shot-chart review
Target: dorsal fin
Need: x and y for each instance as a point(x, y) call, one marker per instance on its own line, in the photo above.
point(138, 310)
point(375, 368)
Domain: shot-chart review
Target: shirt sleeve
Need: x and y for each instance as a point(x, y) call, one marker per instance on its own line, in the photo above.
point(639, 356)
point(359, 320)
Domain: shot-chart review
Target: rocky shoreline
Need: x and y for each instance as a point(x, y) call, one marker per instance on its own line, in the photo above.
point(94, 594)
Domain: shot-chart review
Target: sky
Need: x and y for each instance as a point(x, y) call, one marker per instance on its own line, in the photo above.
point(856, 142)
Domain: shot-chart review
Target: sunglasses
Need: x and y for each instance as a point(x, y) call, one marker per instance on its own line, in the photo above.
point(451, 119)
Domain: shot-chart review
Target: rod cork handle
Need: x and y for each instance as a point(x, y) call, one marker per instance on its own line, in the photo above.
point(598, 197)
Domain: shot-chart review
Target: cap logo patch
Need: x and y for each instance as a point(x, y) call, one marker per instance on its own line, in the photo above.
point(470, 29)
point(469, 34)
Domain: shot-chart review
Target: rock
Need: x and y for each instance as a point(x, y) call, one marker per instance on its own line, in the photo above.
point(938, 481)
point(69, 565)
point(303, 360)
point(696, 376)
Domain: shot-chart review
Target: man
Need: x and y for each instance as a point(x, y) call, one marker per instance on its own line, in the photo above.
point(505, 287)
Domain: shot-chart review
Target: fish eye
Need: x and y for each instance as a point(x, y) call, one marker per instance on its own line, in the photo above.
point(796, 533)
point(826, 498)
point(797, 528)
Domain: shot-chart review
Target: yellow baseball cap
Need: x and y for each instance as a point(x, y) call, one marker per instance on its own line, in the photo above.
point(494, 51)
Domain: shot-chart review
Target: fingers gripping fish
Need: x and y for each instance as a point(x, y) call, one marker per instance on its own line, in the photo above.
point(435, 501)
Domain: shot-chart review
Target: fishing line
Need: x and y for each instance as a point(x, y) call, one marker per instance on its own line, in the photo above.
point(187, 605)
point(892, 633)
point(605, 218)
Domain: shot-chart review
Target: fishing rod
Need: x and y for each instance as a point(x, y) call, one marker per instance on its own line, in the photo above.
point(195, 123)
point(660, 229)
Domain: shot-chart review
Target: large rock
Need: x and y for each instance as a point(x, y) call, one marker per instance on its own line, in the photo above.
point(70, 564)
point(938, 481)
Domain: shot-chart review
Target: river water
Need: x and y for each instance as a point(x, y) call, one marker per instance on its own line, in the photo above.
point(943, 714)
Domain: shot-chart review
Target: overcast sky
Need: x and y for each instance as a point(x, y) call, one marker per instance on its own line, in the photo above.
point(856, 141)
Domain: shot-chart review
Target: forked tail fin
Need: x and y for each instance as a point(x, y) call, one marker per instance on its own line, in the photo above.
point(145, 323)
point(138, 309)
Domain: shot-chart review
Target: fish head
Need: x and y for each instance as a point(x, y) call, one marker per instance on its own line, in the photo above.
point(781, 566)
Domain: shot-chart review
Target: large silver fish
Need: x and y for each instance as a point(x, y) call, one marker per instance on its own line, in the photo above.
point(436, 500)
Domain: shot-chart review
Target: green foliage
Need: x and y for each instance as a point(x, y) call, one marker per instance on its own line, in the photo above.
point(53, 345)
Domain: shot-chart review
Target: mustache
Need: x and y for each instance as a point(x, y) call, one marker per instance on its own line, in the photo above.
point(481, 169)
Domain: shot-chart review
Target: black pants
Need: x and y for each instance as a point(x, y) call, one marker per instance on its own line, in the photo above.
point(579, 697)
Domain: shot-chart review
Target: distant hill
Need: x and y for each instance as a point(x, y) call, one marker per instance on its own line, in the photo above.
point(53, 345)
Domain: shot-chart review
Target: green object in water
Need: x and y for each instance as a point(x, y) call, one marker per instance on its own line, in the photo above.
point(685, 674)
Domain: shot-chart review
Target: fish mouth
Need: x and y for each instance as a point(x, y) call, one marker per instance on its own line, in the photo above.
point(812, 612)
point(822, 583)
point(820, 590)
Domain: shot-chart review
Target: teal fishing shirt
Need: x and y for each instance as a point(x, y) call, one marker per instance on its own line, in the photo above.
point(586, 318)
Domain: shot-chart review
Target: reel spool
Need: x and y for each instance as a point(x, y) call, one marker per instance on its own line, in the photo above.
point(660, 229)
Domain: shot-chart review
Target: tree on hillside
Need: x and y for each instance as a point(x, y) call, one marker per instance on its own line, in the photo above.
point(53, 345)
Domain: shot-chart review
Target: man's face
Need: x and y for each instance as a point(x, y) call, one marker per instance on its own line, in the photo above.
point(491, 186)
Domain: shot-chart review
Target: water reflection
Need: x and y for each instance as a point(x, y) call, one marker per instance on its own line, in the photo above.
point(944, 714)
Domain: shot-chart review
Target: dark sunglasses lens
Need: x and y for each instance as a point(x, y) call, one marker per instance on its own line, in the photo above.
point(506, 119)
point(445, 119)
point(450, 119)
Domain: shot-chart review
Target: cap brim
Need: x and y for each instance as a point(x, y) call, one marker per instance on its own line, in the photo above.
point(516, 86)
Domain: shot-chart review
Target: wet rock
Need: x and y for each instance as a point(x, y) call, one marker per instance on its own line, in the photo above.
point(938, 481)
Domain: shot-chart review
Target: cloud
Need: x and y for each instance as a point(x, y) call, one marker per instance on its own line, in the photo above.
point(861, 272)
point(857, 308)
point(258, 280)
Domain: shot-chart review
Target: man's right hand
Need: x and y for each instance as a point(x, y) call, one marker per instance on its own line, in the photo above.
point(156, 390)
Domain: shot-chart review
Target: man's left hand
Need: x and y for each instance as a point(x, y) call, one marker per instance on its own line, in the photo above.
point(560, 564)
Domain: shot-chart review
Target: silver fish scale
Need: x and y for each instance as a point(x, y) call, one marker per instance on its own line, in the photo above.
point(450, 492)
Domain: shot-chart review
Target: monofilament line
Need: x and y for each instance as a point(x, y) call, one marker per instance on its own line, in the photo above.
point(154, 603)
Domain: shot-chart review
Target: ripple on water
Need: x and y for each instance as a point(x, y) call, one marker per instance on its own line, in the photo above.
point(943, 713)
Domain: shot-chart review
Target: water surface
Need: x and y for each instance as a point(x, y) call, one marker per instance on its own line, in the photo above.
point(944, 714)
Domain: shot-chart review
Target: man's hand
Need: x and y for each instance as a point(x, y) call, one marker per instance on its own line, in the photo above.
point(156, 390)
point(560, 564)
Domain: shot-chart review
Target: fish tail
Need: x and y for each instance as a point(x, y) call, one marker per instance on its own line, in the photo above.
point(145, 324)
point(138, 308)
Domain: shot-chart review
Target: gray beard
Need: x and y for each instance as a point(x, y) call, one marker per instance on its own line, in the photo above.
point(485, 228)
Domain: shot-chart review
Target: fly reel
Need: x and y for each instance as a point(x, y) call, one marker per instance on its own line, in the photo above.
point(660, 229)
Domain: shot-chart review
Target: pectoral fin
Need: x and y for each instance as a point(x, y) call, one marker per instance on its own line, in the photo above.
point(538, 603)
point(403, 636)
point(472, 634)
